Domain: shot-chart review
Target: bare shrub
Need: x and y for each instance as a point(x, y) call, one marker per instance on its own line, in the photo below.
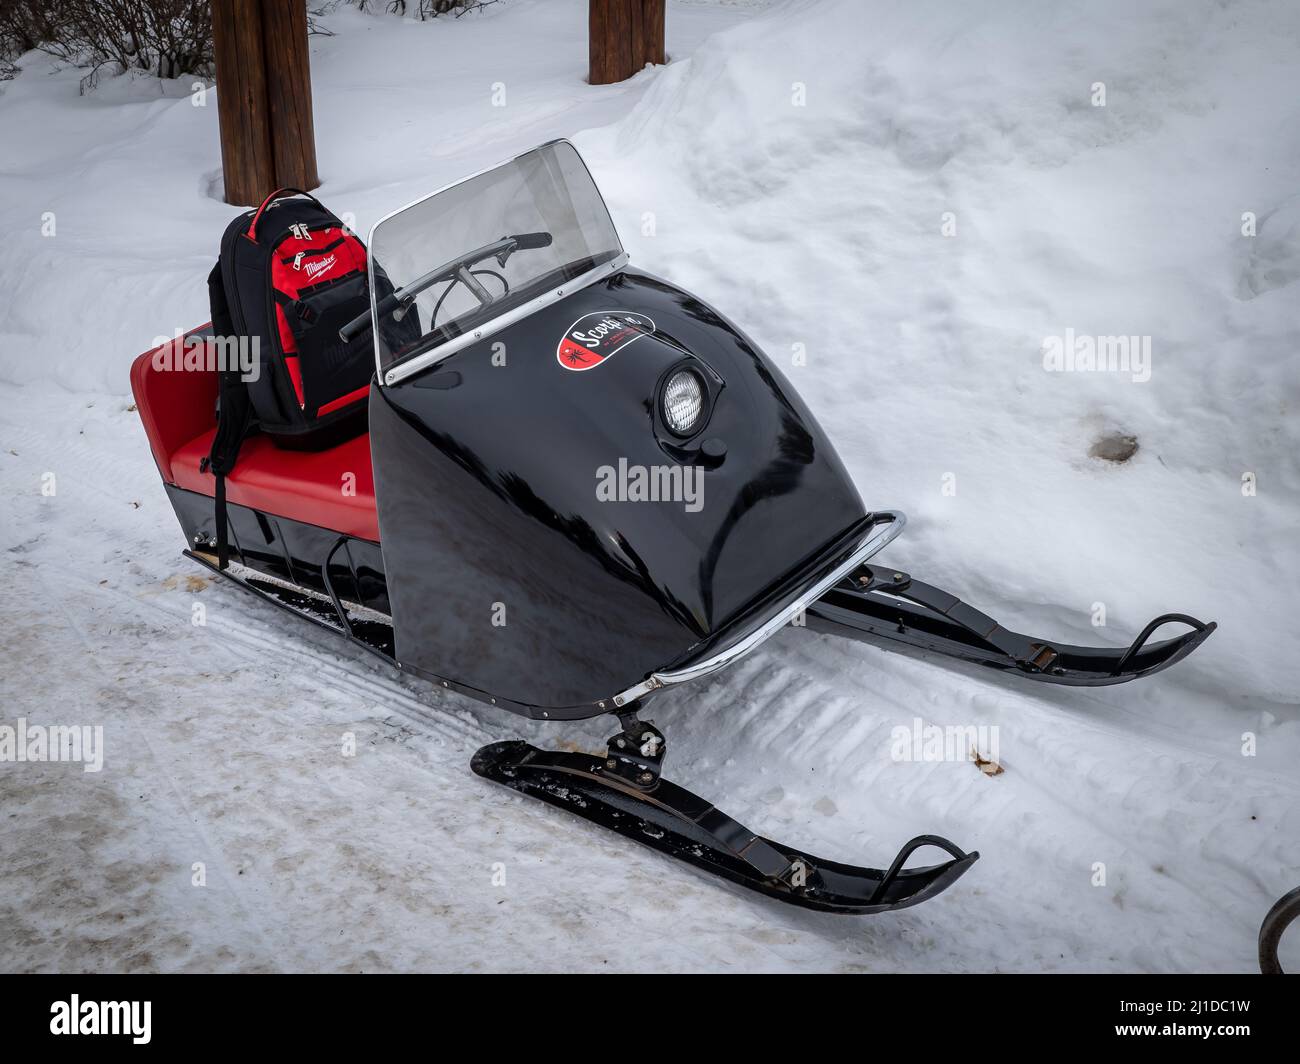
point(166, 37)
point(427, 9)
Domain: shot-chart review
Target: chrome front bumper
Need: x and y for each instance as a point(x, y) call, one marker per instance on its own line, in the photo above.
point(887, 524)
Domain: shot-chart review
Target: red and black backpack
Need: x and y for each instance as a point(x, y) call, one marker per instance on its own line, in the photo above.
point(290, 276)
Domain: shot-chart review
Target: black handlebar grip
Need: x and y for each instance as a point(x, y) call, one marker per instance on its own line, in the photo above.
point(354, 328)
point(528, 241)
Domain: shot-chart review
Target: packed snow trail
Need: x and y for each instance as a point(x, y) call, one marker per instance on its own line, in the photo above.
point(814, 225)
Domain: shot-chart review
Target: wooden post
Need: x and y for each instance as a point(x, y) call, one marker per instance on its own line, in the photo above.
point(263, 97)
point(652, 33)
point(623, 36)
point(246, 158)
point(288, 91)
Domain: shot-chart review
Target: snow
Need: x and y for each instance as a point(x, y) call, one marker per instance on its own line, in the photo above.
point(818, 225)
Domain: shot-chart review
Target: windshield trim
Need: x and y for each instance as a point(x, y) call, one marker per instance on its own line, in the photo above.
point(402, 370)
point(397, 373)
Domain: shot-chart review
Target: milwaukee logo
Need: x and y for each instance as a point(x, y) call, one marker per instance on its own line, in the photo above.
point(315, 269)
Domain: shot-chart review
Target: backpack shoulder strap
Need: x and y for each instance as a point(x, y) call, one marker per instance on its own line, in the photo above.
point(234, 415)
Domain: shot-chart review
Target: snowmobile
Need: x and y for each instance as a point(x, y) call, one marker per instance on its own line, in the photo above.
point(580, 487)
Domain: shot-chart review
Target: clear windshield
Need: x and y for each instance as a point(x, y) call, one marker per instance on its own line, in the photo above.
point(451, 265)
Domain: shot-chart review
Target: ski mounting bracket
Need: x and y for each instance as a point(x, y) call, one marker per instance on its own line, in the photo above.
point(1028, 654)
point(636, 754)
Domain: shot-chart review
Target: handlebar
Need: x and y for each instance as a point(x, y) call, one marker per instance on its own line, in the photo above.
point(531, 241)
point(355, 327)
point(500, 250)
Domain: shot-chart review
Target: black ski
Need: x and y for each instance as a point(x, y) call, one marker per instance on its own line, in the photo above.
point(624, 791)
point(880, 605)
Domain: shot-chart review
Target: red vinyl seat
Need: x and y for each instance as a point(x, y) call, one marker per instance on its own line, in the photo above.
point(308, 486)
point(176, 409)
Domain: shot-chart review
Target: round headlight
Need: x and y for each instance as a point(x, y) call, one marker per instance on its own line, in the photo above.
point(683, 402)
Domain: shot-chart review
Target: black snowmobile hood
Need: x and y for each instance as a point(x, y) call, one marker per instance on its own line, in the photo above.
point(537, 469)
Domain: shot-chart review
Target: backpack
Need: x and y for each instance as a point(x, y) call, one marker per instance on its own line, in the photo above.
point(290, 275)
